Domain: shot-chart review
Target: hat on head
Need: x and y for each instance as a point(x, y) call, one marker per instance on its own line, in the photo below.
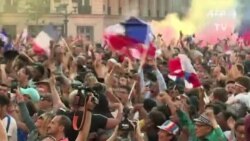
point(244, 81)
point(170, 127)
point(203, 119)
point(45, 81)
point(31, 92)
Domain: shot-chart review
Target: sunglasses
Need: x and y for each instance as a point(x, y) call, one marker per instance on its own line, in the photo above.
point(44, 98)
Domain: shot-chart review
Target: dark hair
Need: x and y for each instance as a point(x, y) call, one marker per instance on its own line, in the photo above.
point(220, 94)
point(65, 122)
point(39, 67)
point(4, 100)
point(27, 72)
point(127, 88)
point(230, 82)
point(158, 118)
point(148, 104)
point(239, 122)
point(217, 109)
point(240, 68)
point(165, 110)
point(228, 114)
point(223, 70)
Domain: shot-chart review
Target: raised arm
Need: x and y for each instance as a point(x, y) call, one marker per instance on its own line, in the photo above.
point(87, 115)
point(25, 113)
point(57, 102)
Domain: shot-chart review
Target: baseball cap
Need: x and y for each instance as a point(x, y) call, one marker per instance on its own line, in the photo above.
point(203, 119)
point(31, 92)
point(170, 127)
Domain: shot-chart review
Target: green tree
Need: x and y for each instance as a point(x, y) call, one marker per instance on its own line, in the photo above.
point(37, 9)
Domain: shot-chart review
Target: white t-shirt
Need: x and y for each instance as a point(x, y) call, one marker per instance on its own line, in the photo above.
point(243, 98)
point(12, 132)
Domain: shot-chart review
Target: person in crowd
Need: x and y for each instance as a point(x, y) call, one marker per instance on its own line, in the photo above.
point(169, 131)
point(57, 128)
point(38, 129)
point(8, 122)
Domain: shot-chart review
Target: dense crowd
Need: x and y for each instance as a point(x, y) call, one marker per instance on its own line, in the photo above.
point(85, 92)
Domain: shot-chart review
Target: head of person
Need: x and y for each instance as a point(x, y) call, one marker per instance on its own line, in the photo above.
point(123, 80)
point(219, 94)
point(37, 71)
point(24, 74)
point(168, 131)
point(122, 92)
point(230, 87)
point(90, 79)
point(219, 70)
point(202, 126)
point(43, 86)
point(155, 118)
point(60, 124)
point(42, 122)
point(45, 102)
point(240, 132)
point(4, 102)
point(242, 84)
point(4, 89)
point(59, 53)
point(223, 118)
point(149, 104)
point(30, 94)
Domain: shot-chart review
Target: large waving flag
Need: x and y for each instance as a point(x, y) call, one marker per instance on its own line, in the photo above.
point(131, 38)
point(42, 40)
point(181, 67)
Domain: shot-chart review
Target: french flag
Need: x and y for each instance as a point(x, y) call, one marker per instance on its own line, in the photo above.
point(181, 67)
point(131, 38)
point(41, 43)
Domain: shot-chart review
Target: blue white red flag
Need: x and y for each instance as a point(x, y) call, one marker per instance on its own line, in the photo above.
point(181, 67)
point(131, 38)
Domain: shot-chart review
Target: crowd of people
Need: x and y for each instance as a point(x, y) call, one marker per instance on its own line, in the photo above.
point(85, 92)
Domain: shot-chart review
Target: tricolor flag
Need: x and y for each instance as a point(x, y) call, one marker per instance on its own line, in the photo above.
point(42, 40)
point(181, 67)
point(131, 38)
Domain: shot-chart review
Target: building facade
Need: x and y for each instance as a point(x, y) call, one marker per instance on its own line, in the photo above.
point(89, 17)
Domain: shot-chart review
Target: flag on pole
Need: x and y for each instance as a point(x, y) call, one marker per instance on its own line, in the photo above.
point(181, 67)
point(41, 43)
point(131, 38)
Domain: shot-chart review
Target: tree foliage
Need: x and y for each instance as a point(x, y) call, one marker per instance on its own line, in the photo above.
point(37, 8)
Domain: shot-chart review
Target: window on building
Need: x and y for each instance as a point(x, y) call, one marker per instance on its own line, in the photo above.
point(11, 30)
point(10, 6)
point(158, 13)
point(159, 8)
point(88, 31)
point(149, 12)
point(84, 7)
point(149, 7)
point(120, 7)
point(109, 7)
